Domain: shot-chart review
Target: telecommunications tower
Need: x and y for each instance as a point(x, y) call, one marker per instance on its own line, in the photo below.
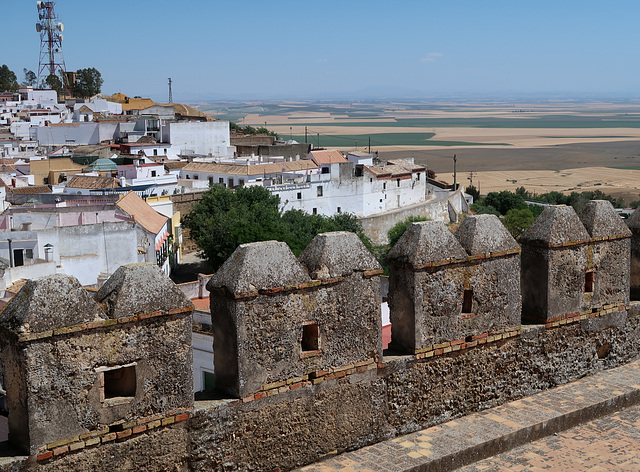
point(50, 29)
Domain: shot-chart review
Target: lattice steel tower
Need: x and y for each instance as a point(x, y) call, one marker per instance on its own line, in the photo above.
point(50, 29)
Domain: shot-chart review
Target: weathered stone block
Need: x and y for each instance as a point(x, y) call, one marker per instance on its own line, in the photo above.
point(272, 336)
point(72, 382)
point(444, 289)
point(554, 264)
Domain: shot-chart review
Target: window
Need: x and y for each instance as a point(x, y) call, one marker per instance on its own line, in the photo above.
point(117, 384)
point(120, 382)
point(153, 173)
point(230, 182)
point(165, 150)
point(221, 180)
point(418, 176)
point(187, 176)
point(155, 152)
point(467, 302)
point(589, 281)
point(28, 253)
point(195, 177)
point(339, 210)
point(299, 195)
point(384, 185)
point(319, 189)
point(398, 181)
point(210, 180)
point(310, 339)
point(325, 170)
point(241, 182)
point(315, 211)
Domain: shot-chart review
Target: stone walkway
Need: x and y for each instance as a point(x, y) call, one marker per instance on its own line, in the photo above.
point(491, 432)
point(611, 443)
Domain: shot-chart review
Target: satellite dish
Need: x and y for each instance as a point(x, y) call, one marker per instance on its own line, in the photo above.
point(61, 37)
point(38, 27)
point(40, 5)
point(60, 26)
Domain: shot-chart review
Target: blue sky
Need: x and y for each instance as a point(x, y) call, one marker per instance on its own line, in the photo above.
point(283, 49)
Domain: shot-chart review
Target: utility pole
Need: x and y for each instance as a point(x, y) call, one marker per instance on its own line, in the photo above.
point(472, 174)
point(369, 144)
point(170, 92)
point(305, 135)
point(455, 175)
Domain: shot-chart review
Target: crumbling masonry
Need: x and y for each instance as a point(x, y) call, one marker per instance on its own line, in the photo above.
point(103, 380)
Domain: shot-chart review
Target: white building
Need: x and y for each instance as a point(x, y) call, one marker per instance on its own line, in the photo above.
point(203, 174)
point(149, 173)
point(342, 187)
point(85, 111)
point(206, 138)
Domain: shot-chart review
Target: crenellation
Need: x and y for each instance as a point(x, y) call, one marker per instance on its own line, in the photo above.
point(469, 287)
point(577, 267)
point(103, 379)
point(70, 382)
point(278, 335)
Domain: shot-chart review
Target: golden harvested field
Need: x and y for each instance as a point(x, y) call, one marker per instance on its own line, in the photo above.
point(563, 146)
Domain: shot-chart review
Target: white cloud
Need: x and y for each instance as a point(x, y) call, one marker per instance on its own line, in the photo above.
point(431, 57)
point(321, 60)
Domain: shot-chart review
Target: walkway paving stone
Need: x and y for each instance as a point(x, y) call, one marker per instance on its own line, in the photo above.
point(491, 432)
point(611, 443)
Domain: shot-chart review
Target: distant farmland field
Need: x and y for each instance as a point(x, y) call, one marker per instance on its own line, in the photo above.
point(382, 139)
point(544, 122)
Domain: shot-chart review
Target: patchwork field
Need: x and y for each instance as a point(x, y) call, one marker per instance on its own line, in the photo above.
point(562, 145)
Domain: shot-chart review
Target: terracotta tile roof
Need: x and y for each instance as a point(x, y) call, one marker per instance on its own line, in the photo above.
point(137, 104)
point(142, 144)
point(30, 189)
point(378, 171)
point(92, 182)
point(407, 165)
point(186, 110)
point(142, 213)
point(327, 157)
point(8, 168)
point(388, 172)
point(169, 165)
point(257, 169)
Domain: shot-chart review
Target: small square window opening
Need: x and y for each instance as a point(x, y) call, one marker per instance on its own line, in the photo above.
point(310, 337)
point(120, 382)
point(589, 281)
point(467, 301)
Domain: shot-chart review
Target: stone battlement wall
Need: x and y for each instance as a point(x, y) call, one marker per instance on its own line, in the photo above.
point(299, 367)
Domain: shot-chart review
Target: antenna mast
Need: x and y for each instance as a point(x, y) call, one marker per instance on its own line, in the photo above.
point(50, 29)
point(170, 92)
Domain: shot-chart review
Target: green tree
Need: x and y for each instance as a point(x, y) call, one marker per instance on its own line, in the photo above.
point(504, 201)
point(89, 83)
point(482, 209)
point(473, 191)
point(54, 83)
point(226, 218)
point(8, 79)
point(517, 220)
point(30, 78)
point(523, 192)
